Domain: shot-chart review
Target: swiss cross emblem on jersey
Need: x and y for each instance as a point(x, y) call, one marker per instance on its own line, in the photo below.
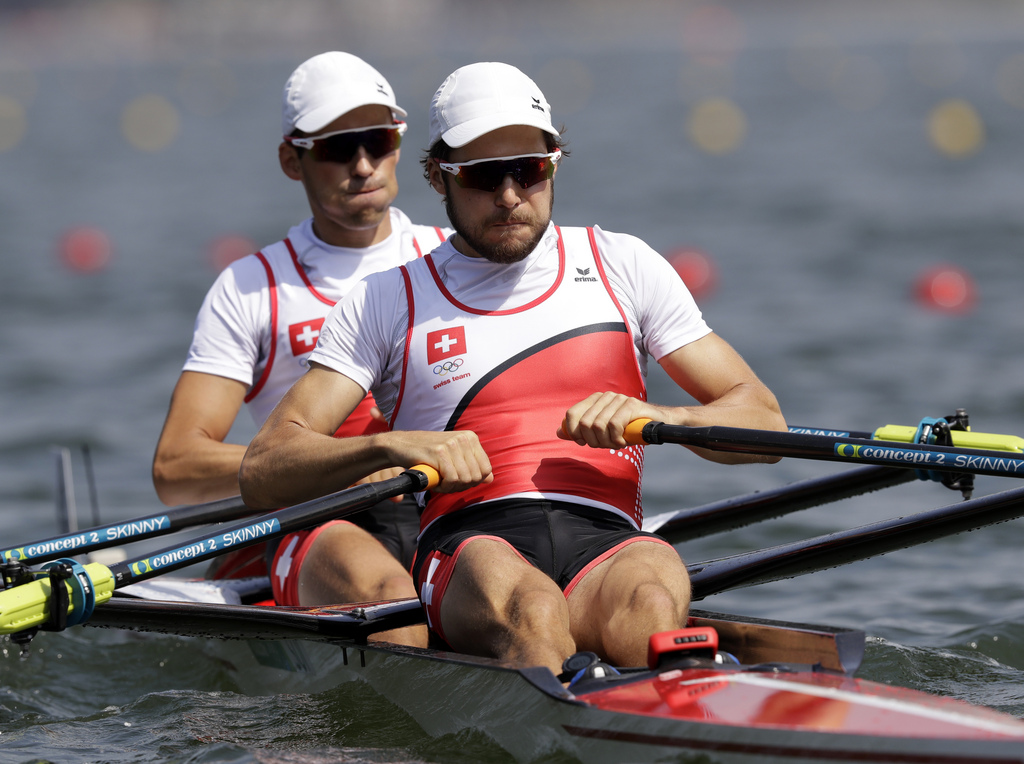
point(304, 335)
point(445, 343)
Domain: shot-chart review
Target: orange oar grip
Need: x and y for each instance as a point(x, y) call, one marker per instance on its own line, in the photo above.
point(433, 477)
point(634, 432)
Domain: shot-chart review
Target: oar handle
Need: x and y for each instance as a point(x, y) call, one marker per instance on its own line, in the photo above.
point(634, 432)
point(431, 476)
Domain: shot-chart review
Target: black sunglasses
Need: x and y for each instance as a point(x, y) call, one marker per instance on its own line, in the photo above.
point(343, 145)
point(488, 174)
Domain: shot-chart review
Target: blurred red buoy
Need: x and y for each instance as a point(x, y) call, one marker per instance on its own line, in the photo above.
point(696, 269)
point(945, 288)
point(85, 249)
point(224, 250)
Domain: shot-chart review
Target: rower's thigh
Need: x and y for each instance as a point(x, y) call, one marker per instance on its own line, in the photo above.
point(494, 595)
point(347, 564)
point(639, 570)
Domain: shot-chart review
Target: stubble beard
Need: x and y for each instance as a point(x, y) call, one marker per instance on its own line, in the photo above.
point(505, 251)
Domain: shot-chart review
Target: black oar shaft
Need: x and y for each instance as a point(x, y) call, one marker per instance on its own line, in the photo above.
point(838, 449)
point(266, 527)
point(740, 511)
point(840, 548)
point(92, 539)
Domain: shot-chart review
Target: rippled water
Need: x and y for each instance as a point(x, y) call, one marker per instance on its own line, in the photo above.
point(818, 223)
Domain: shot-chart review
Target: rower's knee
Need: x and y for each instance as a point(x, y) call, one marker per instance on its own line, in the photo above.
point(656, 603)
point(537, 627)
point(536, 611)
point(396, 586)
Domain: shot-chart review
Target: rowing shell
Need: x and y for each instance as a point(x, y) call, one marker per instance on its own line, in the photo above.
point(792, 698)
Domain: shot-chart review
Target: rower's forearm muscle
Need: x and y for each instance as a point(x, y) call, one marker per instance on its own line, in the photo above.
point(749, 405)
point(300, 464)
point(197, 470)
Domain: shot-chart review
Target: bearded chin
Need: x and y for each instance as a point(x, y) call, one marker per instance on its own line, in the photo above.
point(502, 252)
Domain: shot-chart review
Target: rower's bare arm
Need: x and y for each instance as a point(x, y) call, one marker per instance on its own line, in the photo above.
point(294, 457)
point(727, 390)
point(192, 463)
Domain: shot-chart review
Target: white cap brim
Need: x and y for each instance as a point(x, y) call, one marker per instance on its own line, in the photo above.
point(326, 113)
point(467, 132)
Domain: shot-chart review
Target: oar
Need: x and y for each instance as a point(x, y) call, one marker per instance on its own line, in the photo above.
point(83, 542)
point(28, 605)
point(829, 448)
point(988, 441)
point(708, 578)
point(834, 549)
point(729, 514)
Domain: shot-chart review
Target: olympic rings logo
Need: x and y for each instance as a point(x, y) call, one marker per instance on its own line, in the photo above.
point(447, 367)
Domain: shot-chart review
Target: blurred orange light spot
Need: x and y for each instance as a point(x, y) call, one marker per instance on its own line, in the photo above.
point(955, 129)
point(150, 123)
point(224, 250)
point(696, 269)
point(717, 126)
point(946, 288)
point(13, 123)
point(85, 249)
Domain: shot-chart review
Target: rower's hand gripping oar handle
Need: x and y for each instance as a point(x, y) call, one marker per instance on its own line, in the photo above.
point(635, 433)
point(430, 476)
point(29, 605)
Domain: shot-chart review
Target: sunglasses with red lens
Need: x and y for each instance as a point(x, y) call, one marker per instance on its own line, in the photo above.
point(487, 174)
point(342, 145)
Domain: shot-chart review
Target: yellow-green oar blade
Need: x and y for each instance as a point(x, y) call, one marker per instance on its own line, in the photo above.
point(961, 438)
point(28, 605)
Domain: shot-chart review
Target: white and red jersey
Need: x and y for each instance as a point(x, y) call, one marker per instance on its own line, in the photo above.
point(505, 350)
point(262, 317)
point(510, 375)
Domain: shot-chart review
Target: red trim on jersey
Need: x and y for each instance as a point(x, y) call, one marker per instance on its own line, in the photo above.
point(286, 592)
point(272, 286)
point(615, 300)
point(598, 560)
point(433, 586)
point(448, 295)
point(408, 341)
point(416, 242)
point(304, 277)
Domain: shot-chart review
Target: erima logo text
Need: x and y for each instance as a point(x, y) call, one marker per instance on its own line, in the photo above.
point(583, 275)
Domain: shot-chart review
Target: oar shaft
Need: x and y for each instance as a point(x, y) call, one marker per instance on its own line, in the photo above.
point(28, 605)
point(740, 511)
point(834, 549)
point(830, 448)
point(272, 525)
point(987, 441)
point(138, 529)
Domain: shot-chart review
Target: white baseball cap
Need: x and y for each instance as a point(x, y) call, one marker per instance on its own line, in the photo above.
point(479, 98)
point(329, 85)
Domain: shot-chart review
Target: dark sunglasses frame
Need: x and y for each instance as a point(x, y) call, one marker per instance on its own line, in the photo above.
point(342, 145)
point(487, 174)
